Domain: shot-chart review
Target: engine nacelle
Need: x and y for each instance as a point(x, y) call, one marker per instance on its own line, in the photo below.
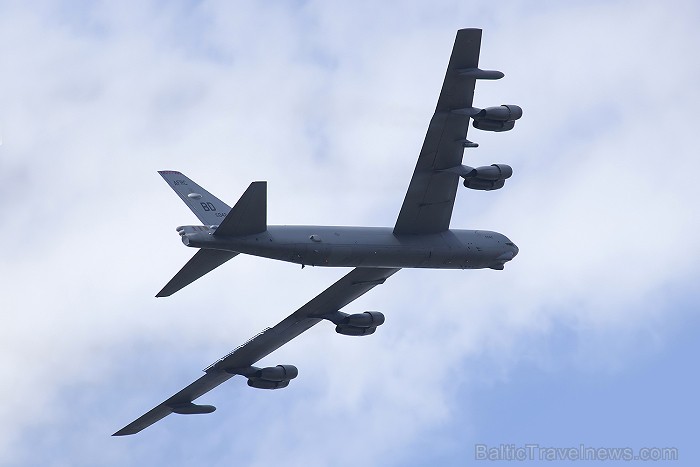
point(493, 125)
point(488, 177)
point(365, 320)
point(265, 384)
point(502, 113)
point(501, 118)
point(273, 377)
point(348, 330)
point(491, 172)
point(358, 324)
point(278, 373)
point(485, 185)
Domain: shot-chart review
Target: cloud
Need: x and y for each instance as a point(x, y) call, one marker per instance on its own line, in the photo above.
point(328, 102)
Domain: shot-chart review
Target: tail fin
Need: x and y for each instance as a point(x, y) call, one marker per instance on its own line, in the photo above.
point(209, 209)
point(248, 216)
point(201, 263)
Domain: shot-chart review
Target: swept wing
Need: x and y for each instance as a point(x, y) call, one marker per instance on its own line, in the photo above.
point(427, 207)
point(353, 285)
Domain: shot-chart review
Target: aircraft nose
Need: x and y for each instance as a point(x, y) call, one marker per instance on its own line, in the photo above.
point(513, 248)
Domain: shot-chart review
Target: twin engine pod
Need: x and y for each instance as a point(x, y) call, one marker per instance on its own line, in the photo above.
point(490, 177)
point(277, 377)
point(501, 118)
point(272, 377)
point(358, 324)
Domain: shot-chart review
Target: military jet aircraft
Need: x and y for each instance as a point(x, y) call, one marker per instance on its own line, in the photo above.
point(421, 237)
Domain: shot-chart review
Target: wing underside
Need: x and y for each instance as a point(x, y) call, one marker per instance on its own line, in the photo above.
point(427, 207)
point(353, 285)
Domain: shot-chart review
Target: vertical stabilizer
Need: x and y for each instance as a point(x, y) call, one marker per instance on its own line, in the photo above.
point(209, 209)
point(249, 215)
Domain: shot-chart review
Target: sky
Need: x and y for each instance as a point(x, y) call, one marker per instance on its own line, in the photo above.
point(587, 338)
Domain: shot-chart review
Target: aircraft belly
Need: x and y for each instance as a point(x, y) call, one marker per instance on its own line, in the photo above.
point(343, 255)
point(360, 248)
point(389, 256)
point(350, 255)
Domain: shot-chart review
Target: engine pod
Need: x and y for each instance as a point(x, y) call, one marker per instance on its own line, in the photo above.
point(365, 320)
point(493, 125)
point(259, 383)
point(347, 330)
point(502, 113)
point(484, 185)
point(492, 172)
point(279, 373)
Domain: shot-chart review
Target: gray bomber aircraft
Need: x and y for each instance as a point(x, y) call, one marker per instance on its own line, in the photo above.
point(421, 237)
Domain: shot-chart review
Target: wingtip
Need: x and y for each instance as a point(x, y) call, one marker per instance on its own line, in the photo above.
point(162, 172)
point(464, 31)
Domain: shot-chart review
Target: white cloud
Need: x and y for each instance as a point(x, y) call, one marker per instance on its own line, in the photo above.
point(329, 102)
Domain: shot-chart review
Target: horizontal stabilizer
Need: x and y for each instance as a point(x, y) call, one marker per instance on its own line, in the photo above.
point(201, 263)
point(249, 215)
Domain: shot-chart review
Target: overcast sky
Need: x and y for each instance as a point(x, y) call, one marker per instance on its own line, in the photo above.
point(588, 337)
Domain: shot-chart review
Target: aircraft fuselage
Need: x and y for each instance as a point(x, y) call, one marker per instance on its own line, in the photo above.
point(363, 246)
